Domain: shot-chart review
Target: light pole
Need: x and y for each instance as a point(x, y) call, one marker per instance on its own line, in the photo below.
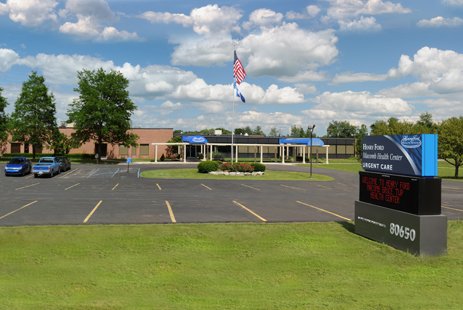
point(310, 150)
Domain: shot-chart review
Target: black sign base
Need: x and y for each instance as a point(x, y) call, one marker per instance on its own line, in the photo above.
point(417, 234)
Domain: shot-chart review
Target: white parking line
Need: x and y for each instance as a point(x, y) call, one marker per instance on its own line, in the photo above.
point(71, 186)
point(19, 209)
point(68, 173)
point(159, 186)
point(115, 186)
point(117, 171)
point(93, 172)
point(445, 207)
point(254, 188)
point(27, 186)
point(206, 187)
point(292, 187)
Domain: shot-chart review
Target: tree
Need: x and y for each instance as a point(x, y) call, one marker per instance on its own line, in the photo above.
point(258, 131)
point(360, 133)
point(425, 124)
point(3, 121)
point(341, 129)
point(33, 120)
point(451, 142)
point(274, 132)
point(297, 132)
point(103, 110)
point(393, 127)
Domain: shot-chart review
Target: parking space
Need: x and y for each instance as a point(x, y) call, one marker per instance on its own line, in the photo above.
point(106, 194)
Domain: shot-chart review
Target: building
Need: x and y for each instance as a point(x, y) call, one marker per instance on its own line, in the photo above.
point(143, 150)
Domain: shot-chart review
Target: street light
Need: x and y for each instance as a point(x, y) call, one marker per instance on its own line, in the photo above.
point(310, 150)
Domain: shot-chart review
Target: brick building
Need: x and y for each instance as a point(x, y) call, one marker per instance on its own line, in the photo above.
point(144, 149)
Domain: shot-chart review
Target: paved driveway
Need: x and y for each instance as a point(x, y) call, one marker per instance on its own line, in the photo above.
point(107, 194)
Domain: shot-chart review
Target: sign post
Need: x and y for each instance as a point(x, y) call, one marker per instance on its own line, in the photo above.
point(129, 161)
point(400, 195)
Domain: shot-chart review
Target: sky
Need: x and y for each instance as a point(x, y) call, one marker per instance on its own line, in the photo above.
point(307, 62)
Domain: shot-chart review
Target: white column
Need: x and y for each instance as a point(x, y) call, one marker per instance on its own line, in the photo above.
point(210, 153)
point(236, 153)
point(326, 148)
point(184, 153)
point(283, 154)
point(155, 153)
point(303, 154)
point(261, 154)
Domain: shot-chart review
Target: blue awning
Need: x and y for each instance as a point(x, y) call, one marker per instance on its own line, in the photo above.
point(194, 139)
point(302, 141)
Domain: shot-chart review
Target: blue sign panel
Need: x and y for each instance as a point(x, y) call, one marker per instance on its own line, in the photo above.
point(414, 155)
point(194, 139)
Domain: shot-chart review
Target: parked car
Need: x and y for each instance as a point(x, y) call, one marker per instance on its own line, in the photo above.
point(64, 163)
point(46, 166)
point(18, 166)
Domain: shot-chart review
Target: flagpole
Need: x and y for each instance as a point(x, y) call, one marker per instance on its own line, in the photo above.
point(233, 127)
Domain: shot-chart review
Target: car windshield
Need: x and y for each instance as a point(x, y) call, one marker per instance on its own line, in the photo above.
point(46, 160)
point(16, 161)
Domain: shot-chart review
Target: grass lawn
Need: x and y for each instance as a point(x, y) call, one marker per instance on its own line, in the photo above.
point(192, 173)
point(226, 266)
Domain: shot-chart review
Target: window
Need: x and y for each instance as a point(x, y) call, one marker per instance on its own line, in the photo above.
point(123, 150)
point(15, 148)
point(144, 149)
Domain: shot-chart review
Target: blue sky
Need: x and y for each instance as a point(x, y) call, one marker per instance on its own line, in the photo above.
point(308, 62)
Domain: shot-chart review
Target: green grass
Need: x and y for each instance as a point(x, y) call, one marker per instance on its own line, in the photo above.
point(221, 266)
point(269, 175)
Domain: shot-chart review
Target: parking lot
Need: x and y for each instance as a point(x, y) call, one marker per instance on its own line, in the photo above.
point(113, 194)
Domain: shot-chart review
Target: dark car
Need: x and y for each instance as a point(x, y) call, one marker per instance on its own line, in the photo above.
point(18, 166)
point(64, 163)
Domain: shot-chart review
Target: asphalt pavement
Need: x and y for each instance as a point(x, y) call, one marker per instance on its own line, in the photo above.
point(117, 194)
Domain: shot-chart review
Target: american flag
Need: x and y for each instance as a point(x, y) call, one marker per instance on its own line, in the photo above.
point(238, 70)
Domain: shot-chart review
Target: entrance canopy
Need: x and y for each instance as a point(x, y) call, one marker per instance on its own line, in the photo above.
point(194, 139)
point(302, 141)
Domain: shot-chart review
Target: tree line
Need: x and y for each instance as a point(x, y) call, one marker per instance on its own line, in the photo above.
point(103, 109)
point(101, 112)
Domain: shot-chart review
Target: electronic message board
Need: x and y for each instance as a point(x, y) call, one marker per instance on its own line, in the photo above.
point(415, 195)
point(414, 155)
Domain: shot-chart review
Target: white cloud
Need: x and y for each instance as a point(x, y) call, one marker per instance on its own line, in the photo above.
point(313, 76)
point(441, 70)
point(285, 95)
point(203, 51)
point(167, 18)
point(362, 103)
point(98, 9)
point(287, 50)
point(30, 12)
point(168, 107)
point(62, 69)
point(358, 77)
point(93, 17)
point(313, 10)
point(453, 2)
point(440, 21)
point(8, 58)
point(264, 18)
point(342, 10)
point(206, 20)
point(362, 24)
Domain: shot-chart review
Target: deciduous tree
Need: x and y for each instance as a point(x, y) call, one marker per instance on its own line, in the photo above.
point(3, 121)
point(33, 120)
point(451, 142)
point(103, 110)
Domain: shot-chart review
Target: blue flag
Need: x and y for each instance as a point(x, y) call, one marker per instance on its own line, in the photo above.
point(238, 93)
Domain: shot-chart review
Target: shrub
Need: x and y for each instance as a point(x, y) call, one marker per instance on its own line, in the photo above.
point(208, 166)
point(226, 167)
point(258, 167)
point(243, 167)
point(162, 157)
